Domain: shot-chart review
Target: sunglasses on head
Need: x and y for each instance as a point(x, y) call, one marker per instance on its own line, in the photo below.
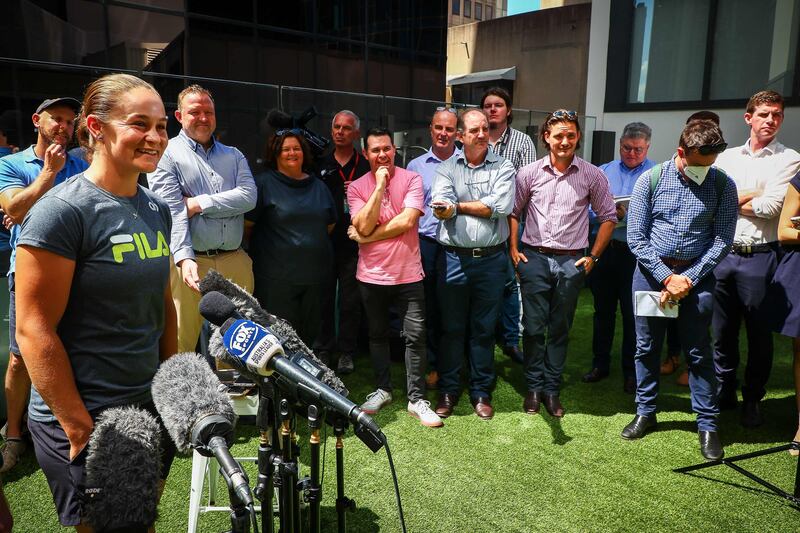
point(708, 149)
point(448, 109)
point(563, 113)
point(296, 131)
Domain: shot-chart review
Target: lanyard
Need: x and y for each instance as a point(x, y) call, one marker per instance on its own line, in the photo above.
point(352, 170)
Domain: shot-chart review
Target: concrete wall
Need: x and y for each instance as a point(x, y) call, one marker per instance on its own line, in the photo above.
point(549, 48)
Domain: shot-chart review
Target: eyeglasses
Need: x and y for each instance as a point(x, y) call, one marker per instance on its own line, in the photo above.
point(638, 150)
point(295, 131)
point(708, 149)
point(448, 109)
point(563, 113)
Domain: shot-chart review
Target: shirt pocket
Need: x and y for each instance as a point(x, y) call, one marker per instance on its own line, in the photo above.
point(477, 186)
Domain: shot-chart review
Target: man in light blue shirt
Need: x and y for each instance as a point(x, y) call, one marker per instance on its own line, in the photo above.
point(209, 188)
point(24, 178)
point(443, 129)
point(610, 281)
point(472, 196)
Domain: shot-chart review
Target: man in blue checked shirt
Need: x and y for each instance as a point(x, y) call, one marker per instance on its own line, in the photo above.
point(680, 226)
point(610, 280)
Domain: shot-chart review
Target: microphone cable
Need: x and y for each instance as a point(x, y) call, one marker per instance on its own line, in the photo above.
point(396, 486)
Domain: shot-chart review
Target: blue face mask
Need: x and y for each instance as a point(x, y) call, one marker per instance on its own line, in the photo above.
point(696, 173)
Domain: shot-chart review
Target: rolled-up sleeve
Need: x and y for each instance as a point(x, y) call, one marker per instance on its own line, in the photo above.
point(443, 188)
point(601, 199)
point(501, 198)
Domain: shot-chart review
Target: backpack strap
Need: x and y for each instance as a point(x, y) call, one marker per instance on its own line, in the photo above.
point(655, 177)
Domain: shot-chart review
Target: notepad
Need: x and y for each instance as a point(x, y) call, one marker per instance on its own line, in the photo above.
point(647, 303)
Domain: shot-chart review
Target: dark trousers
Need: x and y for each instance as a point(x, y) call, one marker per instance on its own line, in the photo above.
point(610, 283)
point(430, 250)
point(550, 287)
point(693, 321)
point(342, 282)
point(297, 304)
point(507, 331)
point(470, 292)
point(742, 282)
point(408, 299)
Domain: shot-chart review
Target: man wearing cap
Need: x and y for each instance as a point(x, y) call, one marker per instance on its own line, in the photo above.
point(24, 178)
point(209, 188)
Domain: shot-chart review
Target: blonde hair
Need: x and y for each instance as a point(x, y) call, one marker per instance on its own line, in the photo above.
point(100, 99)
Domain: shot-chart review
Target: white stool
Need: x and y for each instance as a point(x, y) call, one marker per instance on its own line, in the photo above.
point(203, 467)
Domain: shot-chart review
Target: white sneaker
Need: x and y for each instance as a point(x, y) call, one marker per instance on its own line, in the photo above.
point(422, 409)
point(12, 450)
point(376, 400)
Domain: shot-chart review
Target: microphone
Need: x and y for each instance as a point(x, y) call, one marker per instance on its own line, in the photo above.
point(199, 415)
point(279, 119)
point(246, 350)
point(247, 307)
point(123, 470)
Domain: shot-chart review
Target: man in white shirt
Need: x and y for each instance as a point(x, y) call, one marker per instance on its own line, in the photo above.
point(761, 168)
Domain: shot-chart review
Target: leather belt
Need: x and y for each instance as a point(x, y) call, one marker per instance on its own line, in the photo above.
point(748, 249)
point(212, 253)
point(676, 263)
point(553, 251)
point(477, 252)
point(426, 238)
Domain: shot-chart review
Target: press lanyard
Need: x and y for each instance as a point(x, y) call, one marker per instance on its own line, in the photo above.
point(349, 178)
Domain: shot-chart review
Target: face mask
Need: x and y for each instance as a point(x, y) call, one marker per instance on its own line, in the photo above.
point(696, 173)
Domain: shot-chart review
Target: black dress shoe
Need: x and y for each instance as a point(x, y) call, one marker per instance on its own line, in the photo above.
point(727, 401)
point(553, 405)
point(710, 446)
point(751, 414)
point(629, 387)
point(639, 427)
point(513, 351)
point(594, 375)
point(532, 403)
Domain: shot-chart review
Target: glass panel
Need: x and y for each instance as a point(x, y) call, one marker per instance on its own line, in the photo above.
point(221, 51)
point(456, 7)
point(668, 50)
point(467, 8)
point(65, 32)
point(764, 48)
point(142, 40)
point(242, 10)
point(478, 11)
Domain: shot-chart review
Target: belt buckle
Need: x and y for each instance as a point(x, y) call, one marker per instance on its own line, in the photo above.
point(210, 253)
point(476, 253)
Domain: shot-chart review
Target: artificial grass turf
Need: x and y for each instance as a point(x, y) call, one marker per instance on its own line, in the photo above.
point(519, 472)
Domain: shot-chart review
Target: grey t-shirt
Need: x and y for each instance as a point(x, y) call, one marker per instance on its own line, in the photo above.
point(115, 313)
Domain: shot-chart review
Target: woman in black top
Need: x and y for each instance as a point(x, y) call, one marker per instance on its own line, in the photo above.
point(289, 241)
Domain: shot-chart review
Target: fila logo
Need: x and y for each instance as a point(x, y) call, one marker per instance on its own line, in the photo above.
point(138, 242)
point(152, 206)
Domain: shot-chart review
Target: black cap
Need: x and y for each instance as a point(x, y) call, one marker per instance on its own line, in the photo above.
point(64, 100)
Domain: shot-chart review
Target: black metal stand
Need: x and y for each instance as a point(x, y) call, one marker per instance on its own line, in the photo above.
point(240, 514)
point(731, 462)
point(267, 458)
point(310, 485)
point(343, 503)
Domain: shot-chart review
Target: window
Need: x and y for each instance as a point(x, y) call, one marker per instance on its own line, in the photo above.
point(478, 11)
point(456, 7)
point(467, 8)
point(668, 50)
point(489, 11)
point(665, 54)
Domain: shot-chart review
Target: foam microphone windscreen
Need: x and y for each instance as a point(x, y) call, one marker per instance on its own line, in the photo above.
point(185, 390)
point(279, 119)
point(250, 309)
point(123, 464)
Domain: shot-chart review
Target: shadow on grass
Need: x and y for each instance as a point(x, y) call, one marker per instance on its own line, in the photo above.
point(560, 438)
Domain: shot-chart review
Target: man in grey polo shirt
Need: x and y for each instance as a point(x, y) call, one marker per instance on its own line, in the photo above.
point(472, 196)
point(209, 188)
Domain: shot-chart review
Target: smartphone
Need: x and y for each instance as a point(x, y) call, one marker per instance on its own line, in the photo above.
point(438, 207)
point(795, 222)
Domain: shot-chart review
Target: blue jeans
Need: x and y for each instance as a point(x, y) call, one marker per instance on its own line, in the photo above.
point(550, 287)
point(693, 322)
point(470, 293)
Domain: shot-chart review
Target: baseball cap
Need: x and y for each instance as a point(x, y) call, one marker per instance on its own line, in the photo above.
point(64, 100)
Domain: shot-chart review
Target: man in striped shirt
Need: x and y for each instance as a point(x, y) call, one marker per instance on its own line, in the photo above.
point(554, 194)
point(680, 226)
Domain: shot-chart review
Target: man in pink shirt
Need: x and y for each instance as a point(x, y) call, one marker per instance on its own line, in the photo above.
point(555, 193)
point(385, 206)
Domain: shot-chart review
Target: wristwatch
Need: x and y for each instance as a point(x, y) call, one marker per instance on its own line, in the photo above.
point(595, 258)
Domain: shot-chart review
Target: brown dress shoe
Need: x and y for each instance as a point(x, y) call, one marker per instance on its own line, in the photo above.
point(683, 379)
point(671, 364)
point(432, 380)
point(532, 403)
point(553, 405)
point(483, 407)
point(445, 404)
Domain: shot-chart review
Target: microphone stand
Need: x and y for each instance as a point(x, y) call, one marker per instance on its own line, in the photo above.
point(289, 499)
point(343, 503)
point(264, 490)
point(311, 487)
point(240, 514)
